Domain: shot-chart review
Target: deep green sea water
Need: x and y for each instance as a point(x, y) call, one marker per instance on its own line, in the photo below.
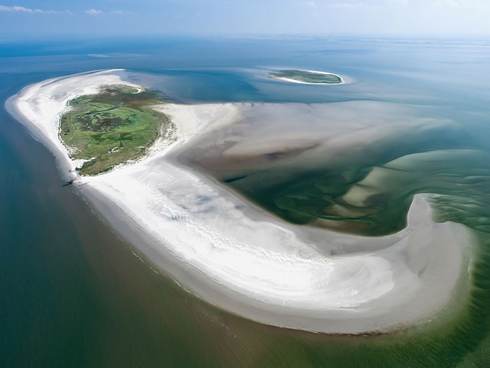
point(72, 294)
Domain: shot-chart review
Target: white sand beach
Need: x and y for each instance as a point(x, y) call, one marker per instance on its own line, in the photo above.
point(238, 257)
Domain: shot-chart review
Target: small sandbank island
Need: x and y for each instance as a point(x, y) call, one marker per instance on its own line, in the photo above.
point(306, 77)
point(178, 181)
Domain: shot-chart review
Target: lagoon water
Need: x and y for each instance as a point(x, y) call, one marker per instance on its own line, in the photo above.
point(74, 294)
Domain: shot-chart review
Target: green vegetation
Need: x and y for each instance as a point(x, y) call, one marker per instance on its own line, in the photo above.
point(112, 127)
point(307, 76)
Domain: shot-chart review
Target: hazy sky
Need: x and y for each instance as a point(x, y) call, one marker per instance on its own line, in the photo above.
point(32, 18)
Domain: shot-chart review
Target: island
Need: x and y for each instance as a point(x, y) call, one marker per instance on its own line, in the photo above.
point(306, 77)
point(111, 127)
point(183, 184)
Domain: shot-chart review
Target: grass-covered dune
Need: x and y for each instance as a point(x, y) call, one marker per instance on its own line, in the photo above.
point(111, 127)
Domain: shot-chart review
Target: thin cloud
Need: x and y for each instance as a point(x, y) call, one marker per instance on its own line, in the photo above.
point(17, 9)
point(24, 10)
point(94, 12)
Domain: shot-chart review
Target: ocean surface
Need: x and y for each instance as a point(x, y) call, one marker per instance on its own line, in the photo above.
point(73, 294)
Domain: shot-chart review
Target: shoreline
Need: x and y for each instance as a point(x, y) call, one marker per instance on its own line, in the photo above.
point(244, 260)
